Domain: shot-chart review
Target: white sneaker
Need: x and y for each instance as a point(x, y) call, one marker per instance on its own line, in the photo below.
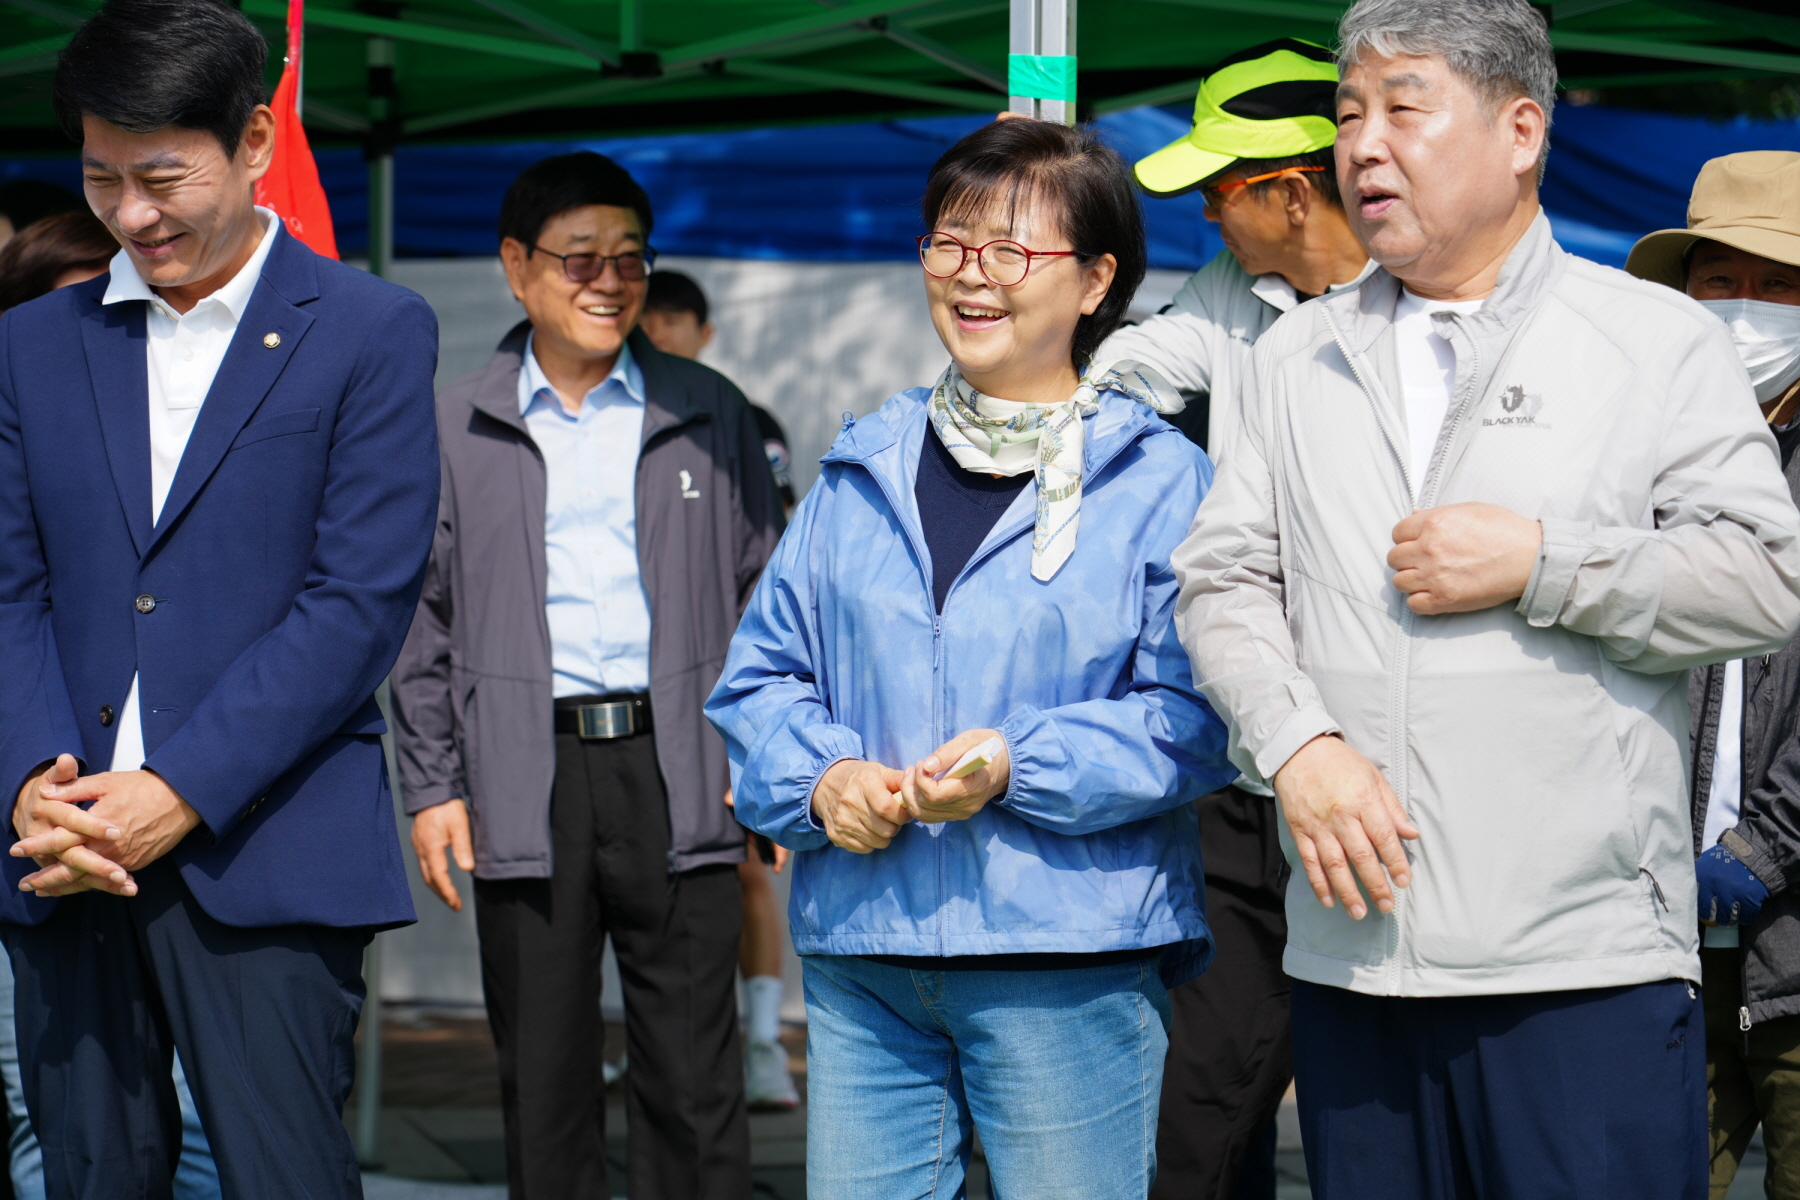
point(767, 1083)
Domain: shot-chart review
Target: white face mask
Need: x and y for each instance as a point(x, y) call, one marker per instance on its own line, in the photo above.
point(1767, 337)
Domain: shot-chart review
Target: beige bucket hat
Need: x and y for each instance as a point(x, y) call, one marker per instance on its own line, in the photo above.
point(1750, 201)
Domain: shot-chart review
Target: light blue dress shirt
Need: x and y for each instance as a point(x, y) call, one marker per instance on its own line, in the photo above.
point(599, 615)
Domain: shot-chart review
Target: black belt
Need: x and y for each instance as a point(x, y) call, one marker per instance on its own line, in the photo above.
point(598, 718)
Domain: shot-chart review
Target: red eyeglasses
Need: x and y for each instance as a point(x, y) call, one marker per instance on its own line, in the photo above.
point(1003, 263)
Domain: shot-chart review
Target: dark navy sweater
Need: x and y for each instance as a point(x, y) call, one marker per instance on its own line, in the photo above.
point(957, 509)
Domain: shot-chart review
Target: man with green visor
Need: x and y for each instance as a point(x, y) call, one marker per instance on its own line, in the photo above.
point(1260, 154)
point(1260, 151)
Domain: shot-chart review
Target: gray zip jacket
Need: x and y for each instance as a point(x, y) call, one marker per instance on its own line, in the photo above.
point(1541, 748)
point(472, 690)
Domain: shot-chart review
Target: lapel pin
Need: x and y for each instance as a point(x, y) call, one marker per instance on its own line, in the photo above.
point(271, 340)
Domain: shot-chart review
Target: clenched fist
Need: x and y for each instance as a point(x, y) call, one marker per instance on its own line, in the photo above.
point(1463, 557)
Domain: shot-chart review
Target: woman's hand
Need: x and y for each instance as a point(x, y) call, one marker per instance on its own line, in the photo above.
point(782, 853)
point(855, 802)
point(929, 799)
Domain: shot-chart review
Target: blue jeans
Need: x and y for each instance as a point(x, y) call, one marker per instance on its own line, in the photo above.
point(196, 1178)
point(1058, 1070)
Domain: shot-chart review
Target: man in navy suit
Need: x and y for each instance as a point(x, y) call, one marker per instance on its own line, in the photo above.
point(218, 483)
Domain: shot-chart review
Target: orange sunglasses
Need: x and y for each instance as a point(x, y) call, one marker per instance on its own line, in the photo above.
point(1215, 194)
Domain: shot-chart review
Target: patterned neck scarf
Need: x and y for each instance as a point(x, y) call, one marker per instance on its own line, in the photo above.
point(1005, 437)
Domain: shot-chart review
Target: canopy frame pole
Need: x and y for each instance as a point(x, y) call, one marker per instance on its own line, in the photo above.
point(631, 26)
point(1042, 29)
point(378, 151)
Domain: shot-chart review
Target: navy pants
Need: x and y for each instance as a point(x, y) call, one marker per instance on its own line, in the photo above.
point(265, 1019)
point(1582, 1095)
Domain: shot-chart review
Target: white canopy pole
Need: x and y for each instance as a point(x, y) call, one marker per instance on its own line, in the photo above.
point(1041, 68)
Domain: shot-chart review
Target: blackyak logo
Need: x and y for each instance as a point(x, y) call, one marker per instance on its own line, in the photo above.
point(1521, 408)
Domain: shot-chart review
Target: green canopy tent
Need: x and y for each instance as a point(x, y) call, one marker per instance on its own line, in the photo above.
point(390, 69)
point(380, 71)
point(383, 71)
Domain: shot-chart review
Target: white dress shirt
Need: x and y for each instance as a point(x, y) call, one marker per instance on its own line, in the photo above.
point(182, 352)
point(598, 612)
point(1427, 375)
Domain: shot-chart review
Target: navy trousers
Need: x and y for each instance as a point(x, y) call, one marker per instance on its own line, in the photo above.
point(1582, 1095)
point(265, 1020)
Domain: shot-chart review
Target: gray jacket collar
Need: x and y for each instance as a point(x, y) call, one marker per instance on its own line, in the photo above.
point(666, 405)
point(1531, 271)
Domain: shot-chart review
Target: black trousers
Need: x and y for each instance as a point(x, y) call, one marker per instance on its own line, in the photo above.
point(265, 1020)
point(1592, 1094)
point(676, 939)
point(1230, 1054)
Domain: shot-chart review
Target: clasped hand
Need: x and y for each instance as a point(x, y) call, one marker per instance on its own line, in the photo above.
point(862, 805)
point(135, 819)
point(1463, 557)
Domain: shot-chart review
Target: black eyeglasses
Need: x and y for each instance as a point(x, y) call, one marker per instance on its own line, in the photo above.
point(632, 265)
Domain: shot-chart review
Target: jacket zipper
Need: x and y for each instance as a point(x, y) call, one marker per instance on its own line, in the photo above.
point(1397, 700)
point(937, 627)
point(937, 732)
point(1744, 991)
point(1397, 679)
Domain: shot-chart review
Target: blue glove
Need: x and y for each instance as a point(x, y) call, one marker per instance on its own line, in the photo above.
point(1729, 893)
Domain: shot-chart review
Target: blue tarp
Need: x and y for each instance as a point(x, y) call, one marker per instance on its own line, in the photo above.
point(849, 193)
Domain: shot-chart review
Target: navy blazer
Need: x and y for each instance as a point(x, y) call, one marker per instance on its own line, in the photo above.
point(260, 612)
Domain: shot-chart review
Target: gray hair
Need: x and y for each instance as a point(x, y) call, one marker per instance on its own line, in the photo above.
point(1501, 48)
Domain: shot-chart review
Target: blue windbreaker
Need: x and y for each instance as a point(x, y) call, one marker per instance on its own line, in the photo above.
point(1095, 845)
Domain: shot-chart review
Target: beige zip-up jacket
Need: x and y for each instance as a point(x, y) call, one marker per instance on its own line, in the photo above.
point(1540, 748)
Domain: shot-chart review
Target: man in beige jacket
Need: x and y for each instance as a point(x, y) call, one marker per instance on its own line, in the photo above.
point(1478, 518)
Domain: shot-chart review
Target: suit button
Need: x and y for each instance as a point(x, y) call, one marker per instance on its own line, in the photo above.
point(106, 714)
point(145, 603)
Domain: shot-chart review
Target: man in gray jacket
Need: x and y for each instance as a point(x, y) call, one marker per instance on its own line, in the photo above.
point(606, 510)
point(1479, 517)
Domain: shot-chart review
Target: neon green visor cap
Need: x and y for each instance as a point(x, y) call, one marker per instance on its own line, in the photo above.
point(1276, 100)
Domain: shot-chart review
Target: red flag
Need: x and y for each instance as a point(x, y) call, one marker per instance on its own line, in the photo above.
point(291, 186)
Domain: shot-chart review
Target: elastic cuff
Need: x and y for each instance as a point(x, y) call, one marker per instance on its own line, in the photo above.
point(1754, 861)
point(1296, 729)
point(1012, 772)
point(812, 786)
point(1014, 731)
point(1560, 555)
point(417, 800)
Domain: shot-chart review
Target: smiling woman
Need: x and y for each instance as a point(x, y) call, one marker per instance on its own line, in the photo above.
point(984, 564)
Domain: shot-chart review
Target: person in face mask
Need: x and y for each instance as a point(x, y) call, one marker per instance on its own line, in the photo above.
point(1740, 258)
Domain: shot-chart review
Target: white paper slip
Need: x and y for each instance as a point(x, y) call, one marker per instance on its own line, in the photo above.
point(977, 758)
